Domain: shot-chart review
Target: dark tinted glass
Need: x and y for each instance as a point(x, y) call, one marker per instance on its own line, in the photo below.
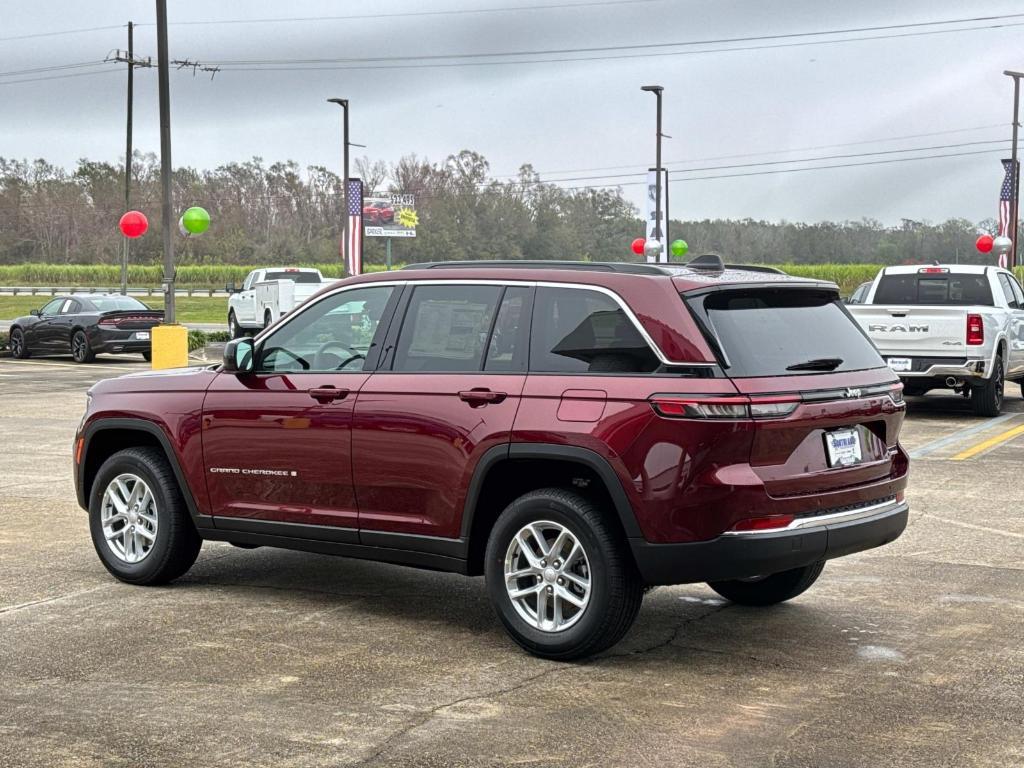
point(446, 328)
point(506, 350)
point(110, 303)
point(763, 332)
point(295, 277)
point(958, 290)
point(583, 331)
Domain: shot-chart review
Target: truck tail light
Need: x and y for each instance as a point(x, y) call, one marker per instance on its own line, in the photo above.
point(739, 407)
point(765, 523)
point(975, 330)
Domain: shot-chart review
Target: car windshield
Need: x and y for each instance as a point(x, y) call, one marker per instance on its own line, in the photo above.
point(113, 303)
point(934, 288)
point(295, 277)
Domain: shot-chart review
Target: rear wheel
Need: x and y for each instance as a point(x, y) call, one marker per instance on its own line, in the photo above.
point(267, 319)
point(769, 590)
point(18, 346)
point(560, 576)
point(987, 399)
point(80, 349)
point(140, 526)
point(147, 356)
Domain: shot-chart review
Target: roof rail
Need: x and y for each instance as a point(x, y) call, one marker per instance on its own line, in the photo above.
point(624, 267)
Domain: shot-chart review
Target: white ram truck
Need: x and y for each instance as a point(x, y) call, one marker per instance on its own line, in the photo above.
point(269, 294)
point(947, 326)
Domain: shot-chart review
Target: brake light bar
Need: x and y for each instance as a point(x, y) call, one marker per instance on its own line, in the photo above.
point(975, 330)
point(932, 270)
point(729, 407)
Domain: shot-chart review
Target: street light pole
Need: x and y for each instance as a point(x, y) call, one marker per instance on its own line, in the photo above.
point(1015, 200)
point(657, 90)
point(343, 103)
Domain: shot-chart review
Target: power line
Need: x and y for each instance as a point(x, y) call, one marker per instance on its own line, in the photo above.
point(61, 32)
point(53, 68)
point(639, 46)
point(60, 77)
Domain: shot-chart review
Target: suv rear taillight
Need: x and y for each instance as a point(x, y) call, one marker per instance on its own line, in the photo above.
point(730, 407)
point(975, 330)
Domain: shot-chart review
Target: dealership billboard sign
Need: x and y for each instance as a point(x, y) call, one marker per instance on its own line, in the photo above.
point(390, 215)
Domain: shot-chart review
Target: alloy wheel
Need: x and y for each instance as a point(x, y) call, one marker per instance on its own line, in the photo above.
point(128, 517)
point(547, 576)
point(17, 341)
point(78, 347)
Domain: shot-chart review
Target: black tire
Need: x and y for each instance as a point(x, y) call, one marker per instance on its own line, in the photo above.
point(177, 543)
point(770, 590)
point(81, 352)
point(147, 356)
point(18, 347)
point(267, 319)
point(987, 399)
point(234, 329)
point(616, 590)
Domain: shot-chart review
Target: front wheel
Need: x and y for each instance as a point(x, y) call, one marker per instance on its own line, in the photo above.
point(18, 347)
point(769, 590)
point(234, 329)
point(81, 352)
point(987, 399)
point(560, 577)
point(140, 526)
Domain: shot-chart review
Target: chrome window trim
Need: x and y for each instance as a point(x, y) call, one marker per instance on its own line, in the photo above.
point(662, 358)
point(819, 521)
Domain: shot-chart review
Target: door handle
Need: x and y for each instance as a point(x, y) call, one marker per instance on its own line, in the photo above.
point(481, 396)
point(328, 394)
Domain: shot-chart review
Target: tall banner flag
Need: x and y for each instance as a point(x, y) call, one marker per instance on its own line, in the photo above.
point(354, 266)
point(1005, 198)
point(651, 209)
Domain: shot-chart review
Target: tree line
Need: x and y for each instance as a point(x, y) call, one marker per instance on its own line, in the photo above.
point(278, 213)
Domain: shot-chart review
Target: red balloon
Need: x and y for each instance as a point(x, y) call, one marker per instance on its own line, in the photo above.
point(984, 243)
point(637, 246)
point(133, 224)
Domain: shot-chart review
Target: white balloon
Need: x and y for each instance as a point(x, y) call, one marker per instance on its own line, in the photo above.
point(181, 227)
point(1002, 245)
point(652, 248)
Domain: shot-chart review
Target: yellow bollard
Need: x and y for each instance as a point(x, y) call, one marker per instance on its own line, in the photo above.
point(170, 346)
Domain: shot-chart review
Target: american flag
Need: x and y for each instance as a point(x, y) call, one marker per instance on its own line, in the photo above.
point(354, 264)
point(1005, 198)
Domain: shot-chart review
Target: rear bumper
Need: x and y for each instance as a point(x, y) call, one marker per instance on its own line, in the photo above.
point(933, 368)
point(757, 553)
point(119, 341)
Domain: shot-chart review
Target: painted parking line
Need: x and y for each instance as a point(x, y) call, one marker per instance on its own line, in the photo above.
point(960, 434)
point(127, 367)
point(992, 442)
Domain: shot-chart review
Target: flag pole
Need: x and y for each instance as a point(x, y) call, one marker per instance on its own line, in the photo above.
point(1014, 167)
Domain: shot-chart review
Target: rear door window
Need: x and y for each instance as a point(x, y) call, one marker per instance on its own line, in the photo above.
point(934, 288)
point(766, 332)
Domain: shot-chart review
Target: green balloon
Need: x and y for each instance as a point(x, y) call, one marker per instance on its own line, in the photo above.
point(679, 247)
point(196, 220)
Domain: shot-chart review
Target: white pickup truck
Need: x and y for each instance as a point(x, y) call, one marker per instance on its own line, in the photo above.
point(958, 327)
point(268, 294)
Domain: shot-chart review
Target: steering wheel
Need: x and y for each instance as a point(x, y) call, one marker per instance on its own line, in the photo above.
point(319, 363)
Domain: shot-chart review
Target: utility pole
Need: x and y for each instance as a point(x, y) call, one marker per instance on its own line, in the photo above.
point(128, 57)
point(657, 90)
point(167, 217)
point(345, 255)
point(1015, 199)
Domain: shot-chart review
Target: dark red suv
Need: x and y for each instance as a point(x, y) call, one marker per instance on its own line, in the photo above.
point(575, 432)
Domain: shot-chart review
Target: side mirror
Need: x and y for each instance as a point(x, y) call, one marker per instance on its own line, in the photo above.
point(34, 313)
point(230, 287)
point(239, 356)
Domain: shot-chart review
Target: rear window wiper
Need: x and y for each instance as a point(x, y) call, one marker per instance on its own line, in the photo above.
point(817, 364)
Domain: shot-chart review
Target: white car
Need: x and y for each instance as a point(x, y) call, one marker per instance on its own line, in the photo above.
point(269, 294)
point(951, 326)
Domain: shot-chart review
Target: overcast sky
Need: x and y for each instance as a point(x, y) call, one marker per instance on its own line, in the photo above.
point(572, 116)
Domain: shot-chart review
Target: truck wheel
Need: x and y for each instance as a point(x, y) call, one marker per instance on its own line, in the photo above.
point(139, 523)
point(987, 400)
point(267, 319)
point(770, 590)
point(18, 347)
point(560, 577)
point(81, 352)
point(234, 329)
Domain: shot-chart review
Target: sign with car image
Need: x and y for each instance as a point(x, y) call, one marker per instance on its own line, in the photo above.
point(390, 215)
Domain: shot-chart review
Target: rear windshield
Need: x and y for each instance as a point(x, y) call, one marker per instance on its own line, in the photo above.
point(957, 290)
point(773, 332)
point(111, 303)
point(295, 277)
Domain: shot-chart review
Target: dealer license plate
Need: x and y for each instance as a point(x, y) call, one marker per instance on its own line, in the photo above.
point(899, 364)
point(142, 335)
point(843, 447)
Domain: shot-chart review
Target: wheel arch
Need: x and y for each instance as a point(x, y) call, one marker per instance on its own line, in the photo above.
point(105, 437)
point(506, 472)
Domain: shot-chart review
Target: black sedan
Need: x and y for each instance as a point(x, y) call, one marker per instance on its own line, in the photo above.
point(85, 325)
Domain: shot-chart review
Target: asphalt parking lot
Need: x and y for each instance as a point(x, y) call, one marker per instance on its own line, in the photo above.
point(910, 655)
